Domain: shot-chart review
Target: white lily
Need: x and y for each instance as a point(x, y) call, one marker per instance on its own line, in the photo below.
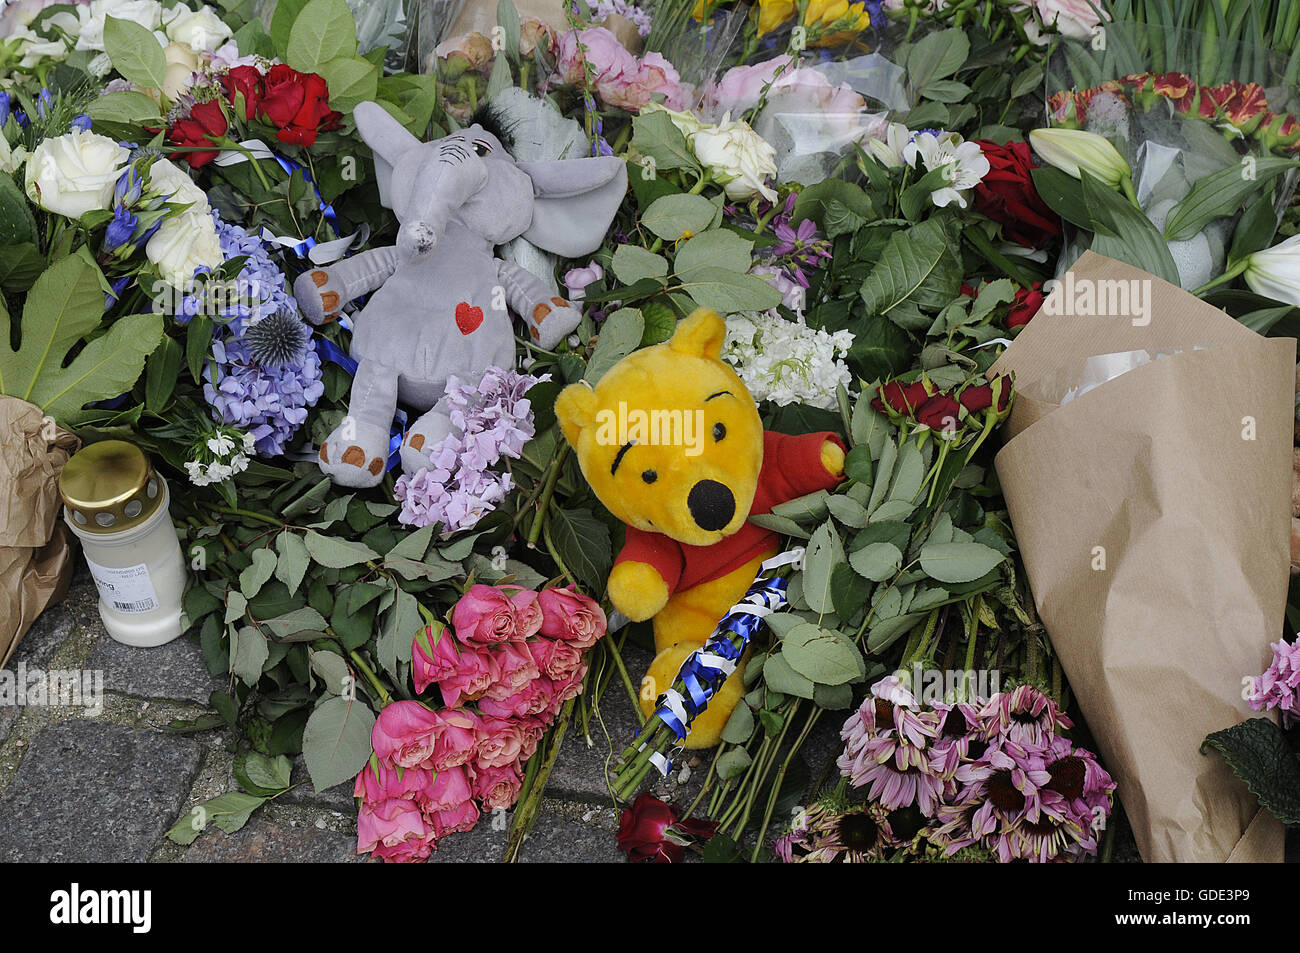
point(1075, 151)
point(1275, 272)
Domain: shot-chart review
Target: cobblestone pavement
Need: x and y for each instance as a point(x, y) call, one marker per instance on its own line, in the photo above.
point(104, 786)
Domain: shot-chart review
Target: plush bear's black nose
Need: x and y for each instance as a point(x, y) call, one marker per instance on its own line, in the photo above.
point(711, 504)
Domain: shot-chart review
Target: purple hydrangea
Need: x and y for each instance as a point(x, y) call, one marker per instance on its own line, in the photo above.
point(268, 402)
point(490, 420)
point(1279, 686)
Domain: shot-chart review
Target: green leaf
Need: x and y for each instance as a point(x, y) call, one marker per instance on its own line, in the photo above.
point(1221, 194)
point(229, 813)
point(401, 623)
point(336, 741)
point(282, 21)
point(822, 657)
point(1133, 239)
point(128, 107)
point(721, 849)
point(672, 216)
point(17, 224)
point(868, 428)
point(335, 553)
point(1257, 751)
point(655, 136)
point(847, 510)
point(413, 545)
point(780, 677)
point(911, 261)
point(958, 562)
point(739, 726)
point(823, 553)
point(833, 697)
point(135, 52)
point(885, 632)
point(332, 670)
point(876, 561)
point(257, 572)
point(64, 305)
point(296, 622)
point(248, 654)
point(811, 506)
point(717, 248)
point(583, 544)
point(272, 774)
point(936, 56)
point(733, 762)
point(508, 20)
point(632, 263)
point(351, 80)
point(849, 591)
point(162, 370)
point(619, 336)
point(728, 292)
point(294, 559)
point(323, 31)
point(1064, 195)
point(909, 471)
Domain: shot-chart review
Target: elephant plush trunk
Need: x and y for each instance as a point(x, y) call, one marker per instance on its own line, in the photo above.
point(415, 240)
point(446, 187)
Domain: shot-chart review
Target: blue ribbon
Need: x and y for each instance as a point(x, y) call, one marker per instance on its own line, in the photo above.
point(326, 209)
point(728, 641)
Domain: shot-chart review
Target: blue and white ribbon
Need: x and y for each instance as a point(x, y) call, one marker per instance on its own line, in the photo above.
point(705, 669)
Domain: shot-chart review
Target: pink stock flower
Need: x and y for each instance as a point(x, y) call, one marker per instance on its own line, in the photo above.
point(497, 788)
point(572, 617)
point(394, 830)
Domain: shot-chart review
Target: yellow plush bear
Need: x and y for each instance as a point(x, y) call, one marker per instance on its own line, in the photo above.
point(671, 442)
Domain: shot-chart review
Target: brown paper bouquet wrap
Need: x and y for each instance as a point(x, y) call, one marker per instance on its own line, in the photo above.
point(36, 556)
point(1152, 512)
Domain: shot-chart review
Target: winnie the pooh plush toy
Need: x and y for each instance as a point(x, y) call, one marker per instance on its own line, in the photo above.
point(671, 442)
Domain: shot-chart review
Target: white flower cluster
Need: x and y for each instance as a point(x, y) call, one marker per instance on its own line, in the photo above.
point(219, 456)
point(787, 362)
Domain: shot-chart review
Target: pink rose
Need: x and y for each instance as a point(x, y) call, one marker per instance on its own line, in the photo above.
point(533, 699)
point(394, 830)
point(572, 617)
point(555, 659)
point(528, 613)
point(405, 734)
point(634, 88)
point(411, 736)
point(460, 818)
point(476, 671)
point(500, 742)
point(432, 660)
point(485, 616)
point(450, 790)
point(608, 57)
point(516, 669)
point(379, 782)
point(741, 87)
point(569, 688)
point(531, 730)
point(497, 788)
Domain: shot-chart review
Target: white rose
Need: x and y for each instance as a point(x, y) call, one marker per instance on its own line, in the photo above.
point(10, 158)
point(34, 48)
point(186, 241)
point(738, 158)
point(202, 31)
point(147, 13)
point(74, 173)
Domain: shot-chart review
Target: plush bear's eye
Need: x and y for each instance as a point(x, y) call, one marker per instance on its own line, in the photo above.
point(649, 476)
point(719, 431)
point(481, 148)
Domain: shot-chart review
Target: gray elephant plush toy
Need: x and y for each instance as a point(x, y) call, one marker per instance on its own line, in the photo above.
point(441, 298)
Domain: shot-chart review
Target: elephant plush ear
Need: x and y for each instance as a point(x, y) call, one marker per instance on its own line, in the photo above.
point(388, 139)
point(576, 200)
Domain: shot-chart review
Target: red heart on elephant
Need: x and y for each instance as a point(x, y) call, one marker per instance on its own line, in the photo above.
point(468, 319)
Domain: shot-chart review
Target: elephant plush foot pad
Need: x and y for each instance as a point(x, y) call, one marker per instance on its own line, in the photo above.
point(317, 295)
point(355, 455)
point(424, 434)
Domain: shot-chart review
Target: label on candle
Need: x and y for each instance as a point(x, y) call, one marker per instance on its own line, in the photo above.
point(126, 589)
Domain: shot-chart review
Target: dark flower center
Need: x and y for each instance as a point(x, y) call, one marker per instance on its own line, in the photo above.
point(859, 832)
point(1067, 777)
point(975, 750)
point(1045, 826)
point(1002, 792)
point(1024, 718)
point(954, 726)
point(884, 714)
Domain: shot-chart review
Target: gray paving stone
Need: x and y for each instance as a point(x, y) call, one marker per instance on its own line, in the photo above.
point(266, 841)
point(556, 839)
point(51, 628)
point(175, 670)
point(483, 845)
point(580, 770)
point(338, 798)
point(94, 792)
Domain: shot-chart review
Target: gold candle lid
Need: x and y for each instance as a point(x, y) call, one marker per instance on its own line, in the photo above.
point(109, 487)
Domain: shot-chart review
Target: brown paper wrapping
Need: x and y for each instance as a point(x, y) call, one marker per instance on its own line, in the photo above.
point(1153, 467)
point(36, 558)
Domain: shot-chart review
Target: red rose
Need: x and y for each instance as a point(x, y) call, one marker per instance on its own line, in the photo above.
point(980, 397)
point(205, 123)
point(650, 831)
point(284, 95)
point(1025, 305)
point(1007, 195)
point(248, 81)
point(939, 413)
point(900, 398)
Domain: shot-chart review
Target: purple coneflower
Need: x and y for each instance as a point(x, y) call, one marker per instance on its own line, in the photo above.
point(1024, 715)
